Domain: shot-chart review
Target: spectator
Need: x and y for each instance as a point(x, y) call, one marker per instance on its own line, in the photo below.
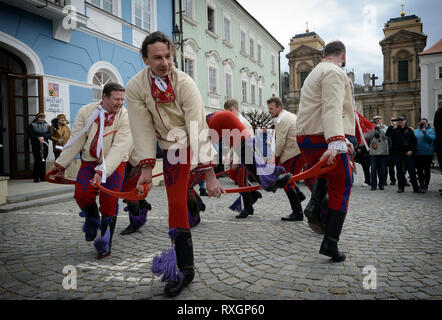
point(362, 157)
point(39, 133)
point(390, 159)
point(404, 146)
point(425, 136)
point(378, 153)
point(438, 129)
point(60, 134)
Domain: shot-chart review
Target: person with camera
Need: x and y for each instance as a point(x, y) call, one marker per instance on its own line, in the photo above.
point(425, 136)
point(378, 153)
point(404, 146)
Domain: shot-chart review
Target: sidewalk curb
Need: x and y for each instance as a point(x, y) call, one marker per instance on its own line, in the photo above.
point(37, 202)
point(38, 194)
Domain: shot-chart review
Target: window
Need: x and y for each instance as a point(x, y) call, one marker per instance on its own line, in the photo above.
point(188, 67)
point(106, 5)
point(440, 72)
point(439, 100)
point(260, 96)
point(212, 81)
point(228, 85)
point(211, 19)
point(188, 8)
point(304, 75)
point(101, 78)
point(244, 91)
point(252, 47)
point(403, 70)
point(273, 64)
point(243, 41)
point(143, 14)
point(252, 92)
point(226, 29)
point(259, 53)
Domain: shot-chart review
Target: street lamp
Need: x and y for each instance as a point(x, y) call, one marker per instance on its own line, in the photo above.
point(177, 36)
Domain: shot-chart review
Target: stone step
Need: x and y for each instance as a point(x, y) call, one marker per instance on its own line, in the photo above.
point(38, 202)
point(39, 194)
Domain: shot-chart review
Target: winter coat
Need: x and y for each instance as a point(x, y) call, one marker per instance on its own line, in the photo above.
point(425, 141)
point(378, 141)
point(402, 139)
point(39, 129)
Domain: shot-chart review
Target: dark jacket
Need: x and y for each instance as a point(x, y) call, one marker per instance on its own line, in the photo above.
point(402, 139)
point(37, 129)
point(438, 122)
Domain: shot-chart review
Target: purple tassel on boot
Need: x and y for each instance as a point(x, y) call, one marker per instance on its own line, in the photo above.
point(90, 225)
point(102, 243)
point(138, 221)
point(193, 221)
point(237, 205)
point(269, 180)
point(166, 263)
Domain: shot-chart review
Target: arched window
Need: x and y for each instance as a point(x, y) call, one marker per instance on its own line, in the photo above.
point(101, 78)
point(100, 74)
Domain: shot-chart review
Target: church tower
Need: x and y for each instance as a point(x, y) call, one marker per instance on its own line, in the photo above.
point(403, 42)
point(305, 53)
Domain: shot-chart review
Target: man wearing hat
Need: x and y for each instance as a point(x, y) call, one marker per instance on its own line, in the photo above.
point(39, 133)
point(378, 153)
point(60, 134)
point(403, 146)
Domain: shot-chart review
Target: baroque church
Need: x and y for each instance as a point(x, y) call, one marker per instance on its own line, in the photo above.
point(399, 93)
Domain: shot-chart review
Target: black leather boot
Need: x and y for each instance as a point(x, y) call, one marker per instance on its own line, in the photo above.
point(247, 198)
point(295, 204)
point(92, 221)
point(313, 209)
point(255, 196)
point(329, 245)
point(270, 182)
point(301, 195)
point(104, 228)
point(184, 255)
point(133, 208)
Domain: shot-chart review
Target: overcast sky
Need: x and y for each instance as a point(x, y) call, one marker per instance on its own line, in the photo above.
point(357, 23)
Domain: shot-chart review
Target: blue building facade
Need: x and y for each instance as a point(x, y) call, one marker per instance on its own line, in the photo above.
point(55, 56)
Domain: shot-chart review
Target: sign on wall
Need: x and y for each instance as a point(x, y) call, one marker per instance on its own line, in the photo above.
point(53, 101)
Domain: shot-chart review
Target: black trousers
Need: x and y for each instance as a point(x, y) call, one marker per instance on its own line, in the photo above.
point(423, 168)
point(39, 164)
point(390, 168)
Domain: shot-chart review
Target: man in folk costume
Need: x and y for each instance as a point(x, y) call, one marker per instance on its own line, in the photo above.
point(287, 154)
point(164, 103)
point(241, 175)
point(325, 118)
point(102, 134)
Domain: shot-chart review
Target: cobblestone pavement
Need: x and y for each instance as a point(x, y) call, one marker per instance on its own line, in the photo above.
point(260, 257)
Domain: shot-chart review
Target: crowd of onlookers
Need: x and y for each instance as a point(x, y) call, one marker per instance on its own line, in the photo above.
point(399, 149)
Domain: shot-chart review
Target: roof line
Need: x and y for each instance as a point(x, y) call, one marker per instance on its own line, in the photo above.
point(239, 5)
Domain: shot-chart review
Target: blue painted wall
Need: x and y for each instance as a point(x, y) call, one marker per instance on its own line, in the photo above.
point(73, 60)
point(164, 16)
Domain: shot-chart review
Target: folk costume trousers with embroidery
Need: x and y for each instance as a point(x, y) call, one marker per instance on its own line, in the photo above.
point(339, 180)
point(85, 194)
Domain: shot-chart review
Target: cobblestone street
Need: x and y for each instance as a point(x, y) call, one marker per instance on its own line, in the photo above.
point(260, 257)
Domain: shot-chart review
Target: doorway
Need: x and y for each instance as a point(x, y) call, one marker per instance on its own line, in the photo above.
point(21, 98)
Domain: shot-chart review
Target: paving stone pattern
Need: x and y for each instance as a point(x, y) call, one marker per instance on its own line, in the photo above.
point(260, 257)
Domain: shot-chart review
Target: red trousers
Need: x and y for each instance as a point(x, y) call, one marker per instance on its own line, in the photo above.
point(294, 166)
point(340, 179)
point(85, 194)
